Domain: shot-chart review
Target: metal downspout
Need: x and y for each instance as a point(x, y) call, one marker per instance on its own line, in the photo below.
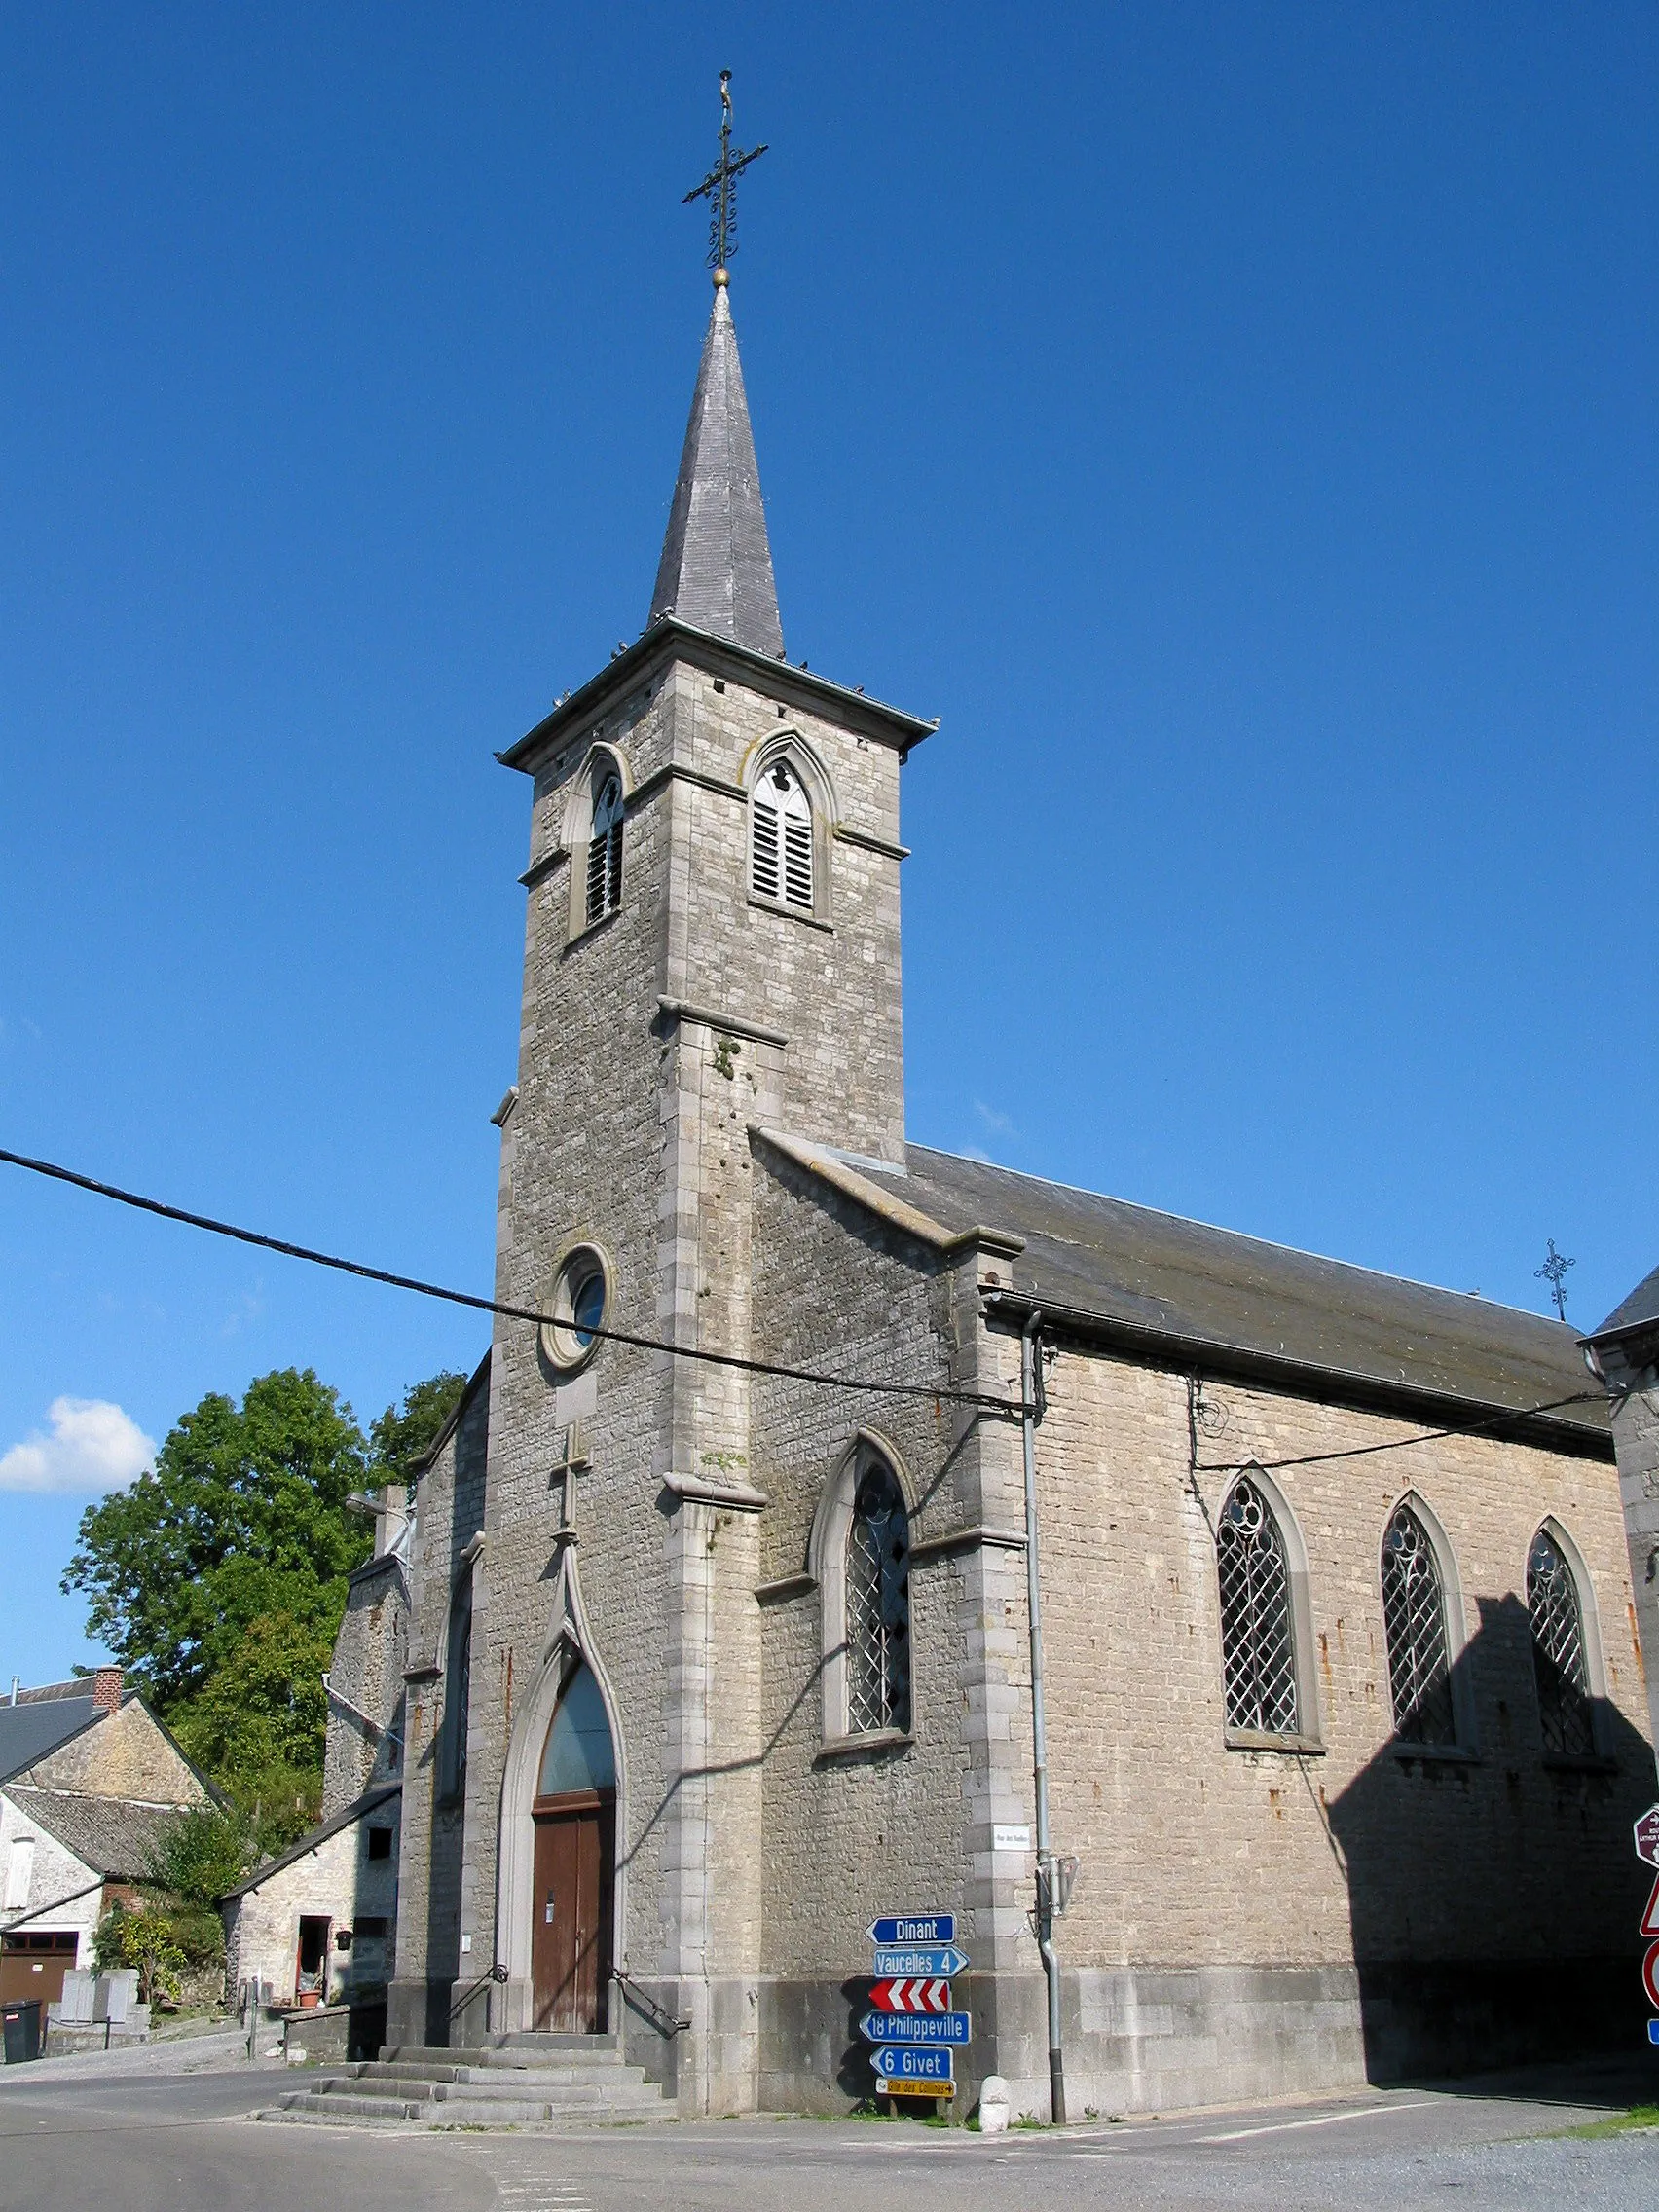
point(1044, 1915)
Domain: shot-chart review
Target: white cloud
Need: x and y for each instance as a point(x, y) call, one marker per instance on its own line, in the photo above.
point(90, 1447)
point(999, 1124)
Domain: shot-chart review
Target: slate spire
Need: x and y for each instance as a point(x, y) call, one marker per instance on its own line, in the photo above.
point(716, 564)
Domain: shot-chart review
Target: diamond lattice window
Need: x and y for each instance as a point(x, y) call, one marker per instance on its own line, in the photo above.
point(1559, 1661)
point(1414, 1615)
point(781, 839)
point(878, 1605)
point(1258, 1648)
point(604, 852)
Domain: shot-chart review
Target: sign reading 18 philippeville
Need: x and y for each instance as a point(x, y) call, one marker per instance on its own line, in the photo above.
point(910, 2021)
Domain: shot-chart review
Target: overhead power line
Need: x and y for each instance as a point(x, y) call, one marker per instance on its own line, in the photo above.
point(985, 1402)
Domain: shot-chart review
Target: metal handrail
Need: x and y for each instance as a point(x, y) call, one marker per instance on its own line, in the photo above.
point(497, 1972)
point(664, 2021)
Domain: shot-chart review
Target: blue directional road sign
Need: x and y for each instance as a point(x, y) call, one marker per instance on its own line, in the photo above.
point(894, 2065)
point(913, 1927)
point(917, 2027)
point(1653, 2031)
point(942, 1960)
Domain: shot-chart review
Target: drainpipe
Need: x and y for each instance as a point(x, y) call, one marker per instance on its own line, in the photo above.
point(1045, 1917)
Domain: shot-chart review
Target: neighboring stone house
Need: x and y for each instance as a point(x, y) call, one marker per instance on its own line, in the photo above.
point(1625, 1352)
point(317, 1925)
point(89, 1783)
point(711, 1661)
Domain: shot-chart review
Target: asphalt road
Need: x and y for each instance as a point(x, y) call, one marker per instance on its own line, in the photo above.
point(175, 2142)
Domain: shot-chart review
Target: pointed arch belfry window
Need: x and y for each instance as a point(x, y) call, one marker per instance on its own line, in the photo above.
point(1413, 1618)
point(605, 850)
point(1559, 1654)
point(878, 1604)
point(1258, 1640)
point(781, 863)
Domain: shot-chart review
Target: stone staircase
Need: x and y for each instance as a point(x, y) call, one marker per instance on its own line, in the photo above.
point(565, 2080)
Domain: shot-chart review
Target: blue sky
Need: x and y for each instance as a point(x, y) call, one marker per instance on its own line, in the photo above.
point(1237, 424)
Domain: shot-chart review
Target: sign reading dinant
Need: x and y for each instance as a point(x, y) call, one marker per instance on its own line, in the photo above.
point(913, 1927)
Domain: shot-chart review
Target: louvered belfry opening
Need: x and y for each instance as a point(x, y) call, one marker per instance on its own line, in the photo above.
point(1559, 1662)
point(781, 854)
point(878, 1605)
point(604, 852)
point(1414, 1617)
point(1258, 1649)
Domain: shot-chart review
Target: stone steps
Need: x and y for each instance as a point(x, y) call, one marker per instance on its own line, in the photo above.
point(544, 2080)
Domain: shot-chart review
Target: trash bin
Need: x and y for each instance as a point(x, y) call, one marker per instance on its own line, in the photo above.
point(23, 2030)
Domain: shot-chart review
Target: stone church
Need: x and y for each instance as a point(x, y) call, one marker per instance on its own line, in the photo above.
point(717, 1653)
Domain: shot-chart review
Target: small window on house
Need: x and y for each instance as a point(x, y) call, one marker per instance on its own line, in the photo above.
point(605, 851)
point(372, 1929)
point(1414, 1617)
point(379, 1843)
point(1559, 1665)
point(1258, 1645)
point(781, 865)
point(878, 1605)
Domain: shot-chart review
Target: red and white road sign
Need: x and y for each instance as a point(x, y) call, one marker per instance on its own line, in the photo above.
point(1647, 1836)
point(1650, 1974)
point(1650, 1918)
point(922, 1994)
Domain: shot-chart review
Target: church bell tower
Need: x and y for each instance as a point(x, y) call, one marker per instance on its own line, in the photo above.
point(712, 950)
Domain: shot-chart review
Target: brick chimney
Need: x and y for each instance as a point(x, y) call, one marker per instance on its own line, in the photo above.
point(106, 1690)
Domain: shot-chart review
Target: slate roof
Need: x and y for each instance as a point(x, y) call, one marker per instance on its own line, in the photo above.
point(359, 1808)
point(1183, 1283)
point(112, 1835)
point(32, 1727)
point(716, 570)
point(1637, 1311)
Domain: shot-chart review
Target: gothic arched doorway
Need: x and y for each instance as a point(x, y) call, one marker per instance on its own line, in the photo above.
point(575, 1857)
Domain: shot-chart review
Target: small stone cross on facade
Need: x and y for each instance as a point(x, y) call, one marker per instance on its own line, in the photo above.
point(572, 1461)
point(720, 187)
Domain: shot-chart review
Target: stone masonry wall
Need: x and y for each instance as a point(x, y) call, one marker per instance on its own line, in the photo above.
point(124, 1755)
point(449, 1513)
point(851, 1834)
point(1199, 1861)
point(366, 1684)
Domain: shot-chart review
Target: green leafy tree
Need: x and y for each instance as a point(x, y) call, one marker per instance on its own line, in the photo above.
point(144, 1938)
point(404, 1433)
point(244, 1516)
point(203, 1854)
point(258, 1726)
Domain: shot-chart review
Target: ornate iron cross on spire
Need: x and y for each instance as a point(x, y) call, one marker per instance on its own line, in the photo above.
point(1553, 1273)
point(720, 187)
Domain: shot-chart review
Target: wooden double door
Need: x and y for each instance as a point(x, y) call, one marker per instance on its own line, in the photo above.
point(570, 1945)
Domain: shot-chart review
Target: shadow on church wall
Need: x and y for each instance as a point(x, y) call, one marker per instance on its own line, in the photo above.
point(1496, 1899)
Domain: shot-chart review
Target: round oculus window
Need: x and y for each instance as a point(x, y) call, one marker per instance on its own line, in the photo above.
point(580, 1296)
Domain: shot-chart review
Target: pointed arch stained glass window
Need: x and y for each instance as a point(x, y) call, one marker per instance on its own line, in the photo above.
point(878, 1605)
point(1258, 1649)
point(1414, 1617)
point(578, 1754)
point(1559, 1663)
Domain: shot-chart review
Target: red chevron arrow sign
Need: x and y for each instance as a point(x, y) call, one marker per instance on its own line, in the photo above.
point(921, 1994)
